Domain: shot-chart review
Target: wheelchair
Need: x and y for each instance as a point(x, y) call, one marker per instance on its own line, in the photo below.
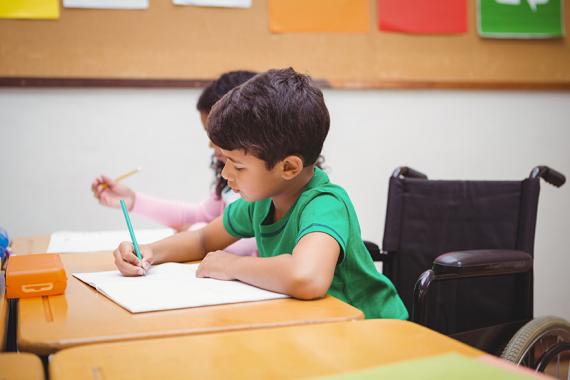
point(460, 254)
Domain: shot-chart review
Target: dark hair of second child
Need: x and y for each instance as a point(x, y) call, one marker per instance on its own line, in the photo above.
point(211, 94)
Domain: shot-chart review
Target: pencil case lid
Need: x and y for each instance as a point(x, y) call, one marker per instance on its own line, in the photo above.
point(35, 275)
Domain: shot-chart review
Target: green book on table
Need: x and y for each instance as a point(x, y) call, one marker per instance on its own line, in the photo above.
point(448, 366)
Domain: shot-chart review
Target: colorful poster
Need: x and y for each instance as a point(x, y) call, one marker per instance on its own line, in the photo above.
point(344, 16)
point(520, 18)
point(106, 4)
point(215, 3)
point(423, 16)
point(29, 9)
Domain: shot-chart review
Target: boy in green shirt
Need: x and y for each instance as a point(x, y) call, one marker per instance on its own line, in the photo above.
point(271, 131)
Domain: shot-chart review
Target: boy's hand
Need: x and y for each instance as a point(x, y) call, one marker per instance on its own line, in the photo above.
point(127, 261)
point(109, 192)
point(218, 265)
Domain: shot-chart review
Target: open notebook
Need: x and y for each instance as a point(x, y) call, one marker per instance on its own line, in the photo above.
point(171, 286)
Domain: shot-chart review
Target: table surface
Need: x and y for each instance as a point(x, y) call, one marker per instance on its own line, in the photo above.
point(30, 244)
point(20, 366)
point(82, 315)
point(288, 352)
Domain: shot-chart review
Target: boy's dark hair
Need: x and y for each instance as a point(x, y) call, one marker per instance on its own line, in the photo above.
point(218, 88)
point(273, 115)
point(211, 94)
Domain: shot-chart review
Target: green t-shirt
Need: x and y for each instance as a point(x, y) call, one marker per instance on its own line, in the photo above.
point(321, 207)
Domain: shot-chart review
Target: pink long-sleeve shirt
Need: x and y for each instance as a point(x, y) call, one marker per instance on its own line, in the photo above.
point(180, 215)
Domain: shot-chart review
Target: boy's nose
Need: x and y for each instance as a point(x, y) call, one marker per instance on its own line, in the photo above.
point(224, 172)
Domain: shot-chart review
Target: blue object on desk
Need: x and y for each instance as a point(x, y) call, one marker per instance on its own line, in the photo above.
point(131, 231)
point(4, 244)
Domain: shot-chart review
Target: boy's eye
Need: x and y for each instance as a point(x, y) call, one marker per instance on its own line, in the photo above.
point(238, 168)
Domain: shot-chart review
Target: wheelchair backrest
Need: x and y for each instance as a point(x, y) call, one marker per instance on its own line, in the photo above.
point(426, 218)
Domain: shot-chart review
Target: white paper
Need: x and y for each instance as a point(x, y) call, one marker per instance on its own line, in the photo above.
point(171, 286)
point(106, 4)
point(73, 241)
point(215, 3)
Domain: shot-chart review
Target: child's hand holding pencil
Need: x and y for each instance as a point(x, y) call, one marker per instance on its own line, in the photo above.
point(109, 191)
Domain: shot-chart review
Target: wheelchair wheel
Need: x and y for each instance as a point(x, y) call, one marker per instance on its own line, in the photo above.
point(543, 344)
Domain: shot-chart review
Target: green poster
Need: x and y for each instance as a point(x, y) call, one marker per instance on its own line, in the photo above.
point(520, 18)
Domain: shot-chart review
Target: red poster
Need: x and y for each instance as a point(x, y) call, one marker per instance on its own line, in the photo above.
point(423, 16)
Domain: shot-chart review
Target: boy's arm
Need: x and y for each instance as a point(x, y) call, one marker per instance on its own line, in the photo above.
point(305, 274)
point(192, 245)
point(185, 246)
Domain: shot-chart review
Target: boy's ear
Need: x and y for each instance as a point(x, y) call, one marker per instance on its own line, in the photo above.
point(291, 167)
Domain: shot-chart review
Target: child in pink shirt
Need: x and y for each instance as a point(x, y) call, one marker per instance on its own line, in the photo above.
point(180, 215)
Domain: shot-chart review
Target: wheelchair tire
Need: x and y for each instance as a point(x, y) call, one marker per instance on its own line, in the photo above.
point(539, 337)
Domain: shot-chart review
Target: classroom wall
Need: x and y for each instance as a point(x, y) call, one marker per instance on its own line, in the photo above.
point(55, 141)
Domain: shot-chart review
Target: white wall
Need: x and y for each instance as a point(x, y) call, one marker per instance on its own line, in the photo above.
point(54, 142)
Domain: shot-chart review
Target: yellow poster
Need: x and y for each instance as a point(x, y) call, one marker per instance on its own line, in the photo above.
point(344, 16)
point(29, 9)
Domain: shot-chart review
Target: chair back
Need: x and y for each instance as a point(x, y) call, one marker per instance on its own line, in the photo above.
point(426, 218)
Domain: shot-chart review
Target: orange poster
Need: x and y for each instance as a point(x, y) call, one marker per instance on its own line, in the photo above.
point(344, 16)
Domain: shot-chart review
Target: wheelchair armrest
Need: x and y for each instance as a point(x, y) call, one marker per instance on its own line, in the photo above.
point(476, 263)
point(462, 264)
point(375, 252)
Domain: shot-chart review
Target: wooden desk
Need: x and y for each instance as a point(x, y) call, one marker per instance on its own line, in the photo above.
point(82, 315)
point(288, 352)
point(20, 366)
point(3, 313)
point(30, 244)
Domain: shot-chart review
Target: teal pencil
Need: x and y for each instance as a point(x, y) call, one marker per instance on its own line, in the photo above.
point(131, 231)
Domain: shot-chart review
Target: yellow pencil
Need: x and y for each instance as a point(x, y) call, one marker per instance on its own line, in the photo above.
point(122, 177)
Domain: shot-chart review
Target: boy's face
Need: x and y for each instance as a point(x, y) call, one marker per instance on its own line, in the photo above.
point(248, 175)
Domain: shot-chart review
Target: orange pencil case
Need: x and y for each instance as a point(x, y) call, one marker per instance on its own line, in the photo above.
point(35, 275)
